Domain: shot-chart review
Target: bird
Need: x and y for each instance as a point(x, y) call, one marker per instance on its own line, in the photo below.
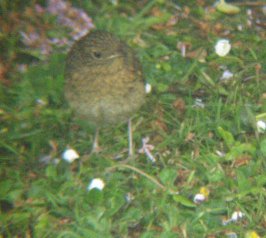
point(104, 82)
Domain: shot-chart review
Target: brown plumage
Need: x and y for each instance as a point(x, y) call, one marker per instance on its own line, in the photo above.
point(104, 83)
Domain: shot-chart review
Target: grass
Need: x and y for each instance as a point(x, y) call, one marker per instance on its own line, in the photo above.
point(52, 200)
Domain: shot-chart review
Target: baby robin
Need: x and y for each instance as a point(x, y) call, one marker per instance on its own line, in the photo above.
point(104, 83)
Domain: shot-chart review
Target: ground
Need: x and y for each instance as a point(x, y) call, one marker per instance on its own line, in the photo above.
point(205, 128)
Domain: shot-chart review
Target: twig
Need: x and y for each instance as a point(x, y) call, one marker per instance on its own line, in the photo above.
point(149, 177)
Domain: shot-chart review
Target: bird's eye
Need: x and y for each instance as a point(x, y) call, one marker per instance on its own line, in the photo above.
point(97, 54)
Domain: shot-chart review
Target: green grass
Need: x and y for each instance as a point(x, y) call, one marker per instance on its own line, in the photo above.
point(51, 200)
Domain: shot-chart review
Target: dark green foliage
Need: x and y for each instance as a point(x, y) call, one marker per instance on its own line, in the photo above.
point(40, 197)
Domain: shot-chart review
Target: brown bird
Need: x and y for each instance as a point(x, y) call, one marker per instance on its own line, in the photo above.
point(104, 83)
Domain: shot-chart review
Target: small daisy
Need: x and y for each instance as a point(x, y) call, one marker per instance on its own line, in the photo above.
point(261, 126)
point(202, 195)
point(227, 75)
point(70, 155)
point(147, 88)
point(96, 183)
point(199, 103)
point(199, 198)
point(236, 216)
point(222, 47)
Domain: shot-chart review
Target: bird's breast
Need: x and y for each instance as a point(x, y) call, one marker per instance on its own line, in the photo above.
point(106, 95)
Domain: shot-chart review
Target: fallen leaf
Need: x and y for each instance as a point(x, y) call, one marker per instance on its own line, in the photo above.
point(160, 124)
point(200, 54)
point(139, 41)
point(179, 105)
point(190, 136)
point(242, 160)
point(64, 221)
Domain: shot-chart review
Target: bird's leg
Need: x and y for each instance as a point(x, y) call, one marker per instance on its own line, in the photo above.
point(95, 147)
point(130, 140)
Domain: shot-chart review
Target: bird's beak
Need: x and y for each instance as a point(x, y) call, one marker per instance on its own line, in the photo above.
point(114, 56)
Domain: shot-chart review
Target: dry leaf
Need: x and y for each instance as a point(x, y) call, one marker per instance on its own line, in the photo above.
point(242, 160)
point(200, 54)
point(179, 105)
point(210, 134)
point(64, 221)
point(186, 11)
point(190, 136)
point(196, 153)
point(218, 27)
point(139, 41)
point(258, 68)
point(160, 124)
point(172, 21)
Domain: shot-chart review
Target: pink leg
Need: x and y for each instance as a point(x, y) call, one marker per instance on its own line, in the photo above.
point(130, 139)
point(95, 147)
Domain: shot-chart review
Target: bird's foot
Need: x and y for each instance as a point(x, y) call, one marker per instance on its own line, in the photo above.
point(131, 157)
point(124, 156)
point(96, 149)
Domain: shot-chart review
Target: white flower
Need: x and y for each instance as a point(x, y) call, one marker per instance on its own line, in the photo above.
point(227, 75)
point(222, 47)
point(237, 216)
point(70, 155)
point(231, 234)
point(264, 9)
point(96, 183)
point(147, 88)
point(261, 126)
point(240, 27)
point(129, 197)
point(249, 12)
point(199, 198)
point(199, 103)
point(220, 153)
point(41, 102)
